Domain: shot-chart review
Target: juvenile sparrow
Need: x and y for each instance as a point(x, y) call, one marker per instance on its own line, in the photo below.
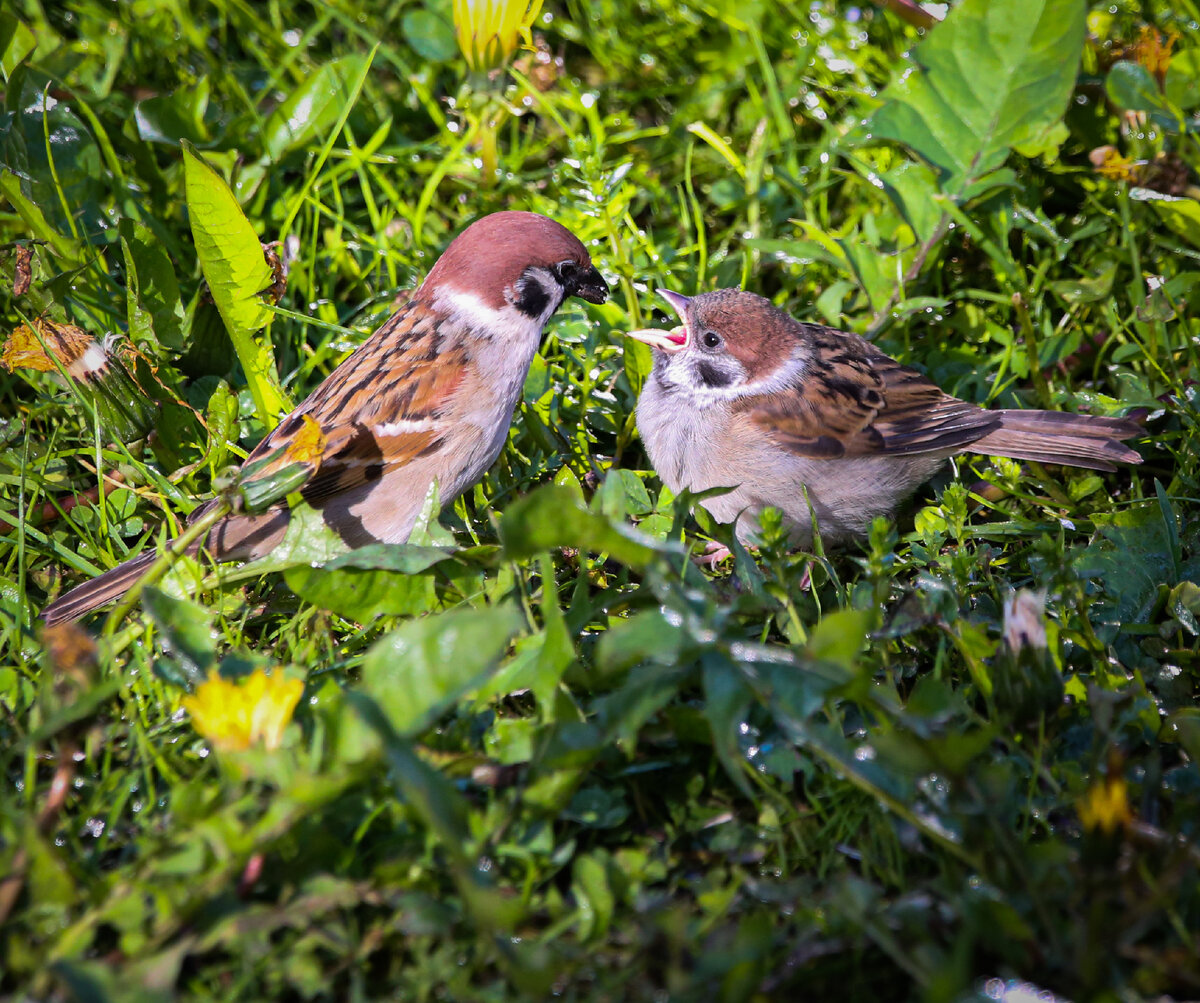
point(429, 396)
point(743, 396)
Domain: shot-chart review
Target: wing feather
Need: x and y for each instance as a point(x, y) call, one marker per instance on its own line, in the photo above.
point(369, 431)
point(852, 400)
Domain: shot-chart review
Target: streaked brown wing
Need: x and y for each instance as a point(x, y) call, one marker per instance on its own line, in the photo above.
point(380, 409)
point(853, 400)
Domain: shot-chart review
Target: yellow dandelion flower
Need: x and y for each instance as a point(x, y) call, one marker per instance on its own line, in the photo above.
point(234, 717)
point(1106, 805)
point(488, 30)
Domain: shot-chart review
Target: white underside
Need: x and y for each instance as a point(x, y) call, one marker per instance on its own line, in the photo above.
point(706, 446)
point(476, 422)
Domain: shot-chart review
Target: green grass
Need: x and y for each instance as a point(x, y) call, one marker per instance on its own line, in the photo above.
point(560, 758)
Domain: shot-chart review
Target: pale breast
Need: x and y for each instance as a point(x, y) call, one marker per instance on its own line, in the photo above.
point(702, 448)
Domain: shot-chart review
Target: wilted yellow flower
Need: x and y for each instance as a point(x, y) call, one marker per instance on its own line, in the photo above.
point(234, 717)
point(1153, 51)
point(1110, 164)
point(488, 30)
point(1106, 805)
point(71, 344)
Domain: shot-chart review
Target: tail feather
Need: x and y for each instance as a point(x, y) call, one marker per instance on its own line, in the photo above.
point(236, 538)
point(91, 595)
point(1076, 440)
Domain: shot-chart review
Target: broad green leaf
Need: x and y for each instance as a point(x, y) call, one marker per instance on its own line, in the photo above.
point(169, 118)
point(54, 155)
point(69, 251)
point(1132, 87)
point(153, 306)
point(446, 814)
point(187, 633)
point(232, 261)
point(376, 580)
point(1182, 215)
point(593, 896)
point(840, 636)
point(1183, 79)
point(16, 42)
point(308, 540)
point(311, 108)
point(727, 701)
point(417, 671)
point(553, 517)
point(995, 74)
point(431, 37)
point(912, 188)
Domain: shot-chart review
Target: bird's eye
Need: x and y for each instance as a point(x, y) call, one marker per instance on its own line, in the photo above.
point(567, 270)
point(710, 339)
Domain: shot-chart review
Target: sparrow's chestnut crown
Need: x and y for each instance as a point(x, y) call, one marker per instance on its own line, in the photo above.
point(492, 255)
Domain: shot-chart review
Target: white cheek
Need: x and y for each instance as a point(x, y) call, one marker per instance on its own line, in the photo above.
point(680, 372)
point(507, 324)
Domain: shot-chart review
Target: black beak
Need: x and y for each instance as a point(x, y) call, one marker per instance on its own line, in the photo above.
point(588, 285)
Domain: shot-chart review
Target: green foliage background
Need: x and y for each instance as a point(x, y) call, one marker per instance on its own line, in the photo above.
point(540, 752)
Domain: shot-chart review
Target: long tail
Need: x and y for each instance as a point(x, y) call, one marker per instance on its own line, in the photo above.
point(237, 538)
point(113, 584)
point(1076, 440)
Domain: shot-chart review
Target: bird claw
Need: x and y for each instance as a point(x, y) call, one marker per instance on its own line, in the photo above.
point(714, 554)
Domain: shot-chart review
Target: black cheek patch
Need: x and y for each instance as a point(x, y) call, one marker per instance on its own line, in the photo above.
point(532, 299)
point(712, 376)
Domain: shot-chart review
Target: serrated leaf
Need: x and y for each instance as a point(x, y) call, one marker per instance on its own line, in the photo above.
point(993, 75)
point(232, 261)
point(417, 671)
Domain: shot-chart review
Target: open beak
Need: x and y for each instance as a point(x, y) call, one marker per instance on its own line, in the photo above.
point(665, 341)
point(590, 286)
point(677, 338)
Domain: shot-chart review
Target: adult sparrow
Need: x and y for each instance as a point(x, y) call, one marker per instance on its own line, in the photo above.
point(428, 397)
point(744, 396)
